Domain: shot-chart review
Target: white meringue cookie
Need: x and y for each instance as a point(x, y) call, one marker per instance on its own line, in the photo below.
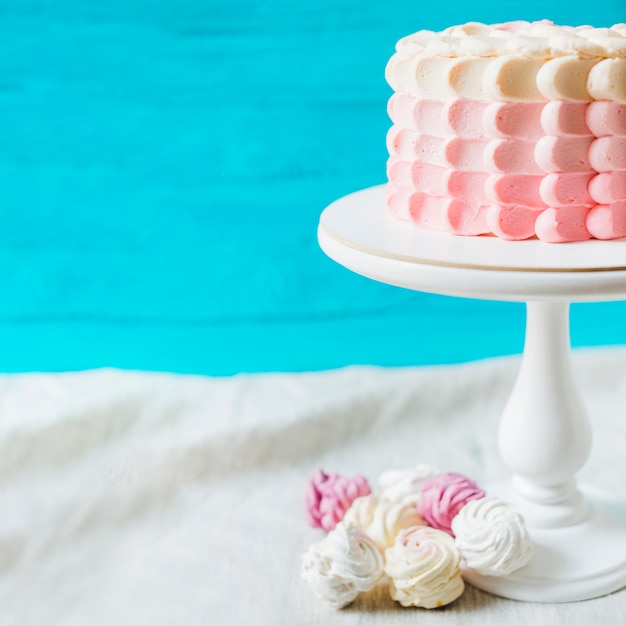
point(382, 520)
point(344, 563)
point(404, 485)
point(491, 537)
point(423, 568)
point(316, 570)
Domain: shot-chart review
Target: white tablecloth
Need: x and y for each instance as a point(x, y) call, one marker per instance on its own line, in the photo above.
point(133, 498)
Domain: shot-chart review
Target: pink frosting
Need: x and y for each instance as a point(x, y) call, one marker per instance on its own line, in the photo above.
point(563, 225)
point(512, 222)
point(608, 187)
point(607, 154)
point(514, 120)
point(509, 189)
point(564, 153)
point(559, 117)
point(567, 188)
point(607, 221)
point(553, 170)
point(606, 118)
point(328, 496)
point(443, 496)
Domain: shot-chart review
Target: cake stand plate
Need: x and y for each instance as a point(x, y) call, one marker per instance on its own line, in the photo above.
point(578, 535)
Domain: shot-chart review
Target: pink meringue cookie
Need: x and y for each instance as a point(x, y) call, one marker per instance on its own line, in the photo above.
point(444, 495)
point(328, 496)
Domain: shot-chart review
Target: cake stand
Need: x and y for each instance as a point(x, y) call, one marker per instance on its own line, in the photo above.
point(578, 533)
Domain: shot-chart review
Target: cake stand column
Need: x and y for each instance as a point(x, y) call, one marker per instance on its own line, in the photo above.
point(545, 434)
point(579, 539)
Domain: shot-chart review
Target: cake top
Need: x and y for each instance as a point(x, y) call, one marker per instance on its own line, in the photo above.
point(514, 61)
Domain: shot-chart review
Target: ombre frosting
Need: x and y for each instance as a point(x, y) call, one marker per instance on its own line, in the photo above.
point(516, 130)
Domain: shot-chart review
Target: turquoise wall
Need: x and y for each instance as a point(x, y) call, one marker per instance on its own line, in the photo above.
point(162, 169)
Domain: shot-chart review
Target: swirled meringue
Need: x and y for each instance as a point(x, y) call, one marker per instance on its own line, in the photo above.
point(404, 485)
point(344, 563)
point(444, 495)
point(382, 520)
point(423, 568)
point(491, 537)
point(328, 496)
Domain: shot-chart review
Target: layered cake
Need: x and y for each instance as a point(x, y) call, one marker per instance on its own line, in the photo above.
point(516, 130)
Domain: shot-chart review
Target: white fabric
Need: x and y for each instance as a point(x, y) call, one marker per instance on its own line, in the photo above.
point(132, 498)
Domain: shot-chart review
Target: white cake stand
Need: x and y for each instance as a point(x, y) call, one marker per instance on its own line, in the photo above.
point(579, 535)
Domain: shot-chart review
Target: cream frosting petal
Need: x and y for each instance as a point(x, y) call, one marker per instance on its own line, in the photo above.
point(415, 41)
point(533, 47)
point(565, 78)
point(445, 46)
point(607, 80)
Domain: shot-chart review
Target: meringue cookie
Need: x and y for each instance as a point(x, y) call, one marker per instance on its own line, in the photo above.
point(404, 485)
point(443, 496)
point(344, 563)
point(317, 572)
point(382, 520)
point(423, 568)
point(491, 537)
point(328, 496)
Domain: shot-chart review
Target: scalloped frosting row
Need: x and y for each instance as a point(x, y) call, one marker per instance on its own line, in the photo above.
point(512, 62)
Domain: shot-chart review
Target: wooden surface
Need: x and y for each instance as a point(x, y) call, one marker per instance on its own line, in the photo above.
point(163, 167)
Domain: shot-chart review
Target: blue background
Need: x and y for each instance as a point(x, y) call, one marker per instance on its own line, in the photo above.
point(163, 166)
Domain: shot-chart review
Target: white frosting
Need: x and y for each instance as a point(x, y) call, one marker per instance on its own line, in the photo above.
point(560, 79)
point(344, 563)
point(512, 78)
point(423, 568)
point(607, 80)
point(382, 520)
point(505, 62)
point(491, 537)
point(404, 485)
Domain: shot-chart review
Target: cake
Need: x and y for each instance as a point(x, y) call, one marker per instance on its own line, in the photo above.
point(516, 130)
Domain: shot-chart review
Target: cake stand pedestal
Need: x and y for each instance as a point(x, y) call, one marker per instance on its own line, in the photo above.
point(578, 533)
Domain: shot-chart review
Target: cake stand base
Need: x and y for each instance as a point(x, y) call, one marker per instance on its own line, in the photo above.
point(578, 562)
